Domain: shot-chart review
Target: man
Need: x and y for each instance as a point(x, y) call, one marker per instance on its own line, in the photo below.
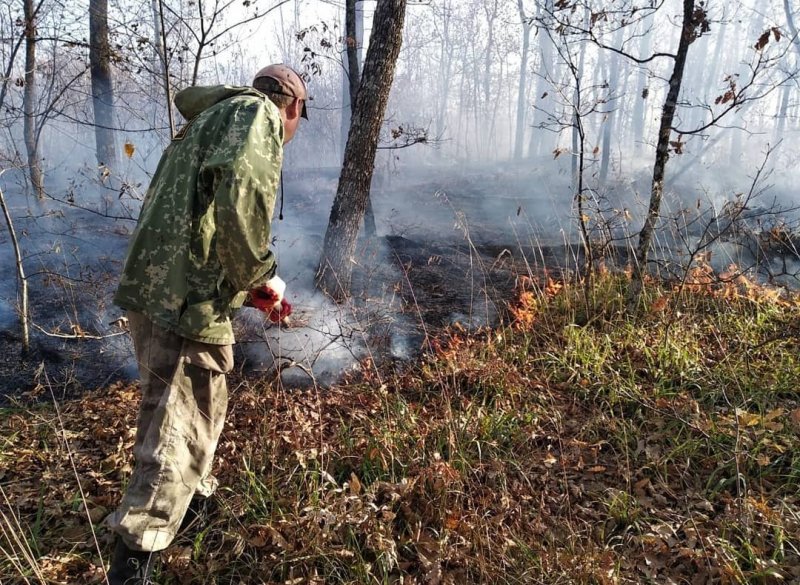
point(201, 245)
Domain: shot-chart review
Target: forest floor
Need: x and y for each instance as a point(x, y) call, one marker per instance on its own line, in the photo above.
point(573, 442)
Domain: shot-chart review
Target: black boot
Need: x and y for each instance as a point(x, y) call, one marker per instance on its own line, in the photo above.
point(131, 567)
point(197, 515)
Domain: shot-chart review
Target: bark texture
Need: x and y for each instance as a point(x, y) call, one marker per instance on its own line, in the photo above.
point(102, 82)
point(353, 42)
point(354, 79)
point(336, 265)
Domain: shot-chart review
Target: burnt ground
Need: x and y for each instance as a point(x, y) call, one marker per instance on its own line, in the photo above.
point(74, 347)
point(472, 284)
point(446, 283)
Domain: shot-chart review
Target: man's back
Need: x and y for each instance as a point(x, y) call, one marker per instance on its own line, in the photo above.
point(204, 230)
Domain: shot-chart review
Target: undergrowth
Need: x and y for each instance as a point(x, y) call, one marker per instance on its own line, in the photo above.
point(577, 444)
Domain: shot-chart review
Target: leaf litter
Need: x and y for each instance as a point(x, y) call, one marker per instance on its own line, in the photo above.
point(617, 452)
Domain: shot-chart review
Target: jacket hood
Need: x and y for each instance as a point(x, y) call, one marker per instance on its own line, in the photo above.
point(194, 100)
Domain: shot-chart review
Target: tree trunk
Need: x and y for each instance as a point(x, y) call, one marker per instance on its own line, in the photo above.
point(347, 106)
point(543, 141)
point(351, 65)
point(714, 74)
point(336, 265)
point(622, 123)
point(522, 106)
point(783, 111)
point(688, 35)
point(640, 105)
point(445, 66)
point(158, 47)
point(165, 63)
point(613, 81)
point(462, 123)
point(577, 122)
point(489, 105)
point(481, 146)
point(354, 41)
point(28, 99)
point(22, 280)
point(792, 27)
point(102, 84)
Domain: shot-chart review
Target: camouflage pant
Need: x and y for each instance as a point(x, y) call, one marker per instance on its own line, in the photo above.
point(184, 399)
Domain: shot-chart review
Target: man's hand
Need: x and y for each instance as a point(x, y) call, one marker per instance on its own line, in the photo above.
point(280, 312)
point(269, 298)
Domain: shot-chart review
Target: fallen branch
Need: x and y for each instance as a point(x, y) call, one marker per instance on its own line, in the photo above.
point(78, 335)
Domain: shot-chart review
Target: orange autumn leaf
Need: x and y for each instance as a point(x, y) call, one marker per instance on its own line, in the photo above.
point(659, 304)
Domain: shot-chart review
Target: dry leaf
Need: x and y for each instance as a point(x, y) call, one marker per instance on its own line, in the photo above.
point(659, 304)
point(355, 484)
point(746, 418)
point(795, 417)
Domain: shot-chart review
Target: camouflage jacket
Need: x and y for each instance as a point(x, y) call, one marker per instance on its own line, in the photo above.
point(203, 235)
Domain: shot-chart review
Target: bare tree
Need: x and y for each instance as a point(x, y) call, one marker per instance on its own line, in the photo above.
point(352, 45)
point(102, 82)
point(443, 25)
point(693, 25)
point(12, 56)
point(786, 91)
point(792, 27)
point(491, 11)
point(522, 89)
point(161, 43)
point(208, 28)
point(22, 280)
point(575, 101)
point(29, 99)
point(642, 90)
point(543, 142)
point(353, 70)
point(336, 265)
point(739, 92)
point(613, 80)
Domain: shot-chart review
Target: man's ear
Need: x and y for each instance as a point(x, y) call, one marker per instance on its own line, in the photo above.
point(294, 109)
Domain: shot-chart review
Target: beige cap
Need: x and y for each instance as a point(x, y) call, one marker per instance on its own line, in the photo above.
point(289, 80)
